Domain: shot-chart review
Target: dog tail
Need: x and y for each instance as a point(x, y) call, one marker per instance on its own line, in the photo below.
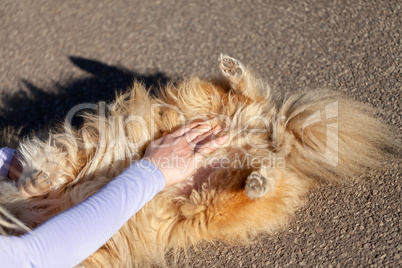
point(325, 136)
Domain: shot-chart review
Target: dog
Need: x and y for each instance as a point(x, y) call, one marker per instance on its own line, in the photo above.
point(280, 146)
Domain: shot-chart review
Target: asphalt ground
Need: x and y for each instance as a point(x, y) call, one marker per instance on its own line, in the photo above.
point(57, 54)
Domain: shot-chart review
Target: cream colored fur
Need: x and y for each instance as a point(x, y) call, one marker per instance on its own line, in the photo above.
point(60, 172)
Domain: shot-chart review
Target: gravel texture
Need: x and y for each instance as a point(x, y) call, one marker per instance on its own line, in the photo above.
point(57, 54)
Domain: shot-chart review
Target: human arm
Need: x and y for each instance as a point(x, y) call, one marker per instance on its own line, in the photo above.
point(72, 236)
point(69, 238)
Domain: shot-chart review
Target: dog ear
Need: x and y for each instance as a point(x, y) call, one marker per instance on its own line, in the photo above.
point(241, 80)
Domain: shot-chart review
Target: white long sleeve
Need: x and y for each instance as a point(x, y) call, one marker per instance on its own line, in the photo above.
point(70, 237)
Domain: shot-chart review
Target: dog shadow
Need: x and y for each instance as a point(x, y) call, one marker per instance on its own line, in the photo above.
point(35, 110)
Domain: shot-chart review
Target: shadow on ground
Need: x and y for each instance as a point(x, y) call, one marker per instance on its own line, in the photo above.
point(35, 109)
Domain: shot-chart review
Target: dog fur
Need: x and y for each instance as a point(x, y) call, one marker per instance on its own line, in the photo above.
point(309, 137)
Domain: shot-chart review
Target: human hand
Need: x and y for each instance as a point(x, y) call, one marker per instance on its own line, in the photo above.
point(180, 153)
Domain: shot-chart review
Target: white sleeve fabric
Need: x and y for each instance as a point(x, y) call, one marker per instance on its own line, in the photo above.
point(72, 236)
point(6, 155)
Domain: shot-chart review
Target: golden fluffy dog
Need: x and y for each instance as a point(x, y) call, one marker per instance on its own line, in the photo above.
point(279, 146)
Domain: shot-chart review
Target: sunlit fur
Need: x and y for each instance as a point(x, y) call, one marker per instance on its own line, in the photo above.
point(214, 205)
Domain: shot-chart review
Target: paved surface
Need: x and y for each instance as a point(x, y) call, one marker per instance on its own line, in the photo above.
point(56, 54)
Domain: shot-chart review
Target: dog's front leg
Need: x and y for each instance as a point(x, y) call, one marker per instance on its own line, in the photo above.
point(241, 80)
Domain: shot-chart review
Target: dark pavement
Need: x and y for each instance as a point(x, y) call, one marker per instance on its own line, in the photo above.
point(56, 54)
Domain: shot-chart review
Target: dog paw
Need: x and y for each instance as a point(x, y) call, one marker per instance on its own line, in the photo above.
point(230, 67)
point(256, 185)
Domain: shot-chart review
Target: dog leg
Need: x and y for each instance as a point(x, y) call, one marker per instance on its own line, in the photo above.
point(257, 184)
point(232, 70)
point(241, 80)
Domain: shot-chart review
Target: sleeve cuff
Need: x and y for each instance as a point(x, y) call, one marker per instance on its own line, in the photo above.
point(153, 170)
point(6, 155)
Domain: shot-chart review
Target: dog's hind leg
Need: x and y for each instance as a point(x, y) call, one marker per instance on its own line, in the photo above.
point(230, 215)
point(241, 80)
point(260, 182)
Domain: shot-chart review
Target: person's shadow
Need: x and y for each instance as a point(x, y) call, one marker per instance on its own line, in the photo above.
point(34, 109)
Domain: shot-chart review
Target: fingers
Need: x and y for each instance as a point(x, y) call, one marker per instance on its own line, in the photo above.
point(211, 145)
point(206, 136)
point(197, 131)
point(185, 129)
point(200, 136)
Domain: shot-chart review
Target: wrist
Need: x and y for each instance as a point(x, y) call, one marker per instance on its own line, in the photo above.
point(164, 171)
point(153, 170)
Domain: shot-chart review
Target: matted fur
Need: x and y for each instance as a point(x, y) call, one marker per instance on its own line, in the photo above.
point(213, 204)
